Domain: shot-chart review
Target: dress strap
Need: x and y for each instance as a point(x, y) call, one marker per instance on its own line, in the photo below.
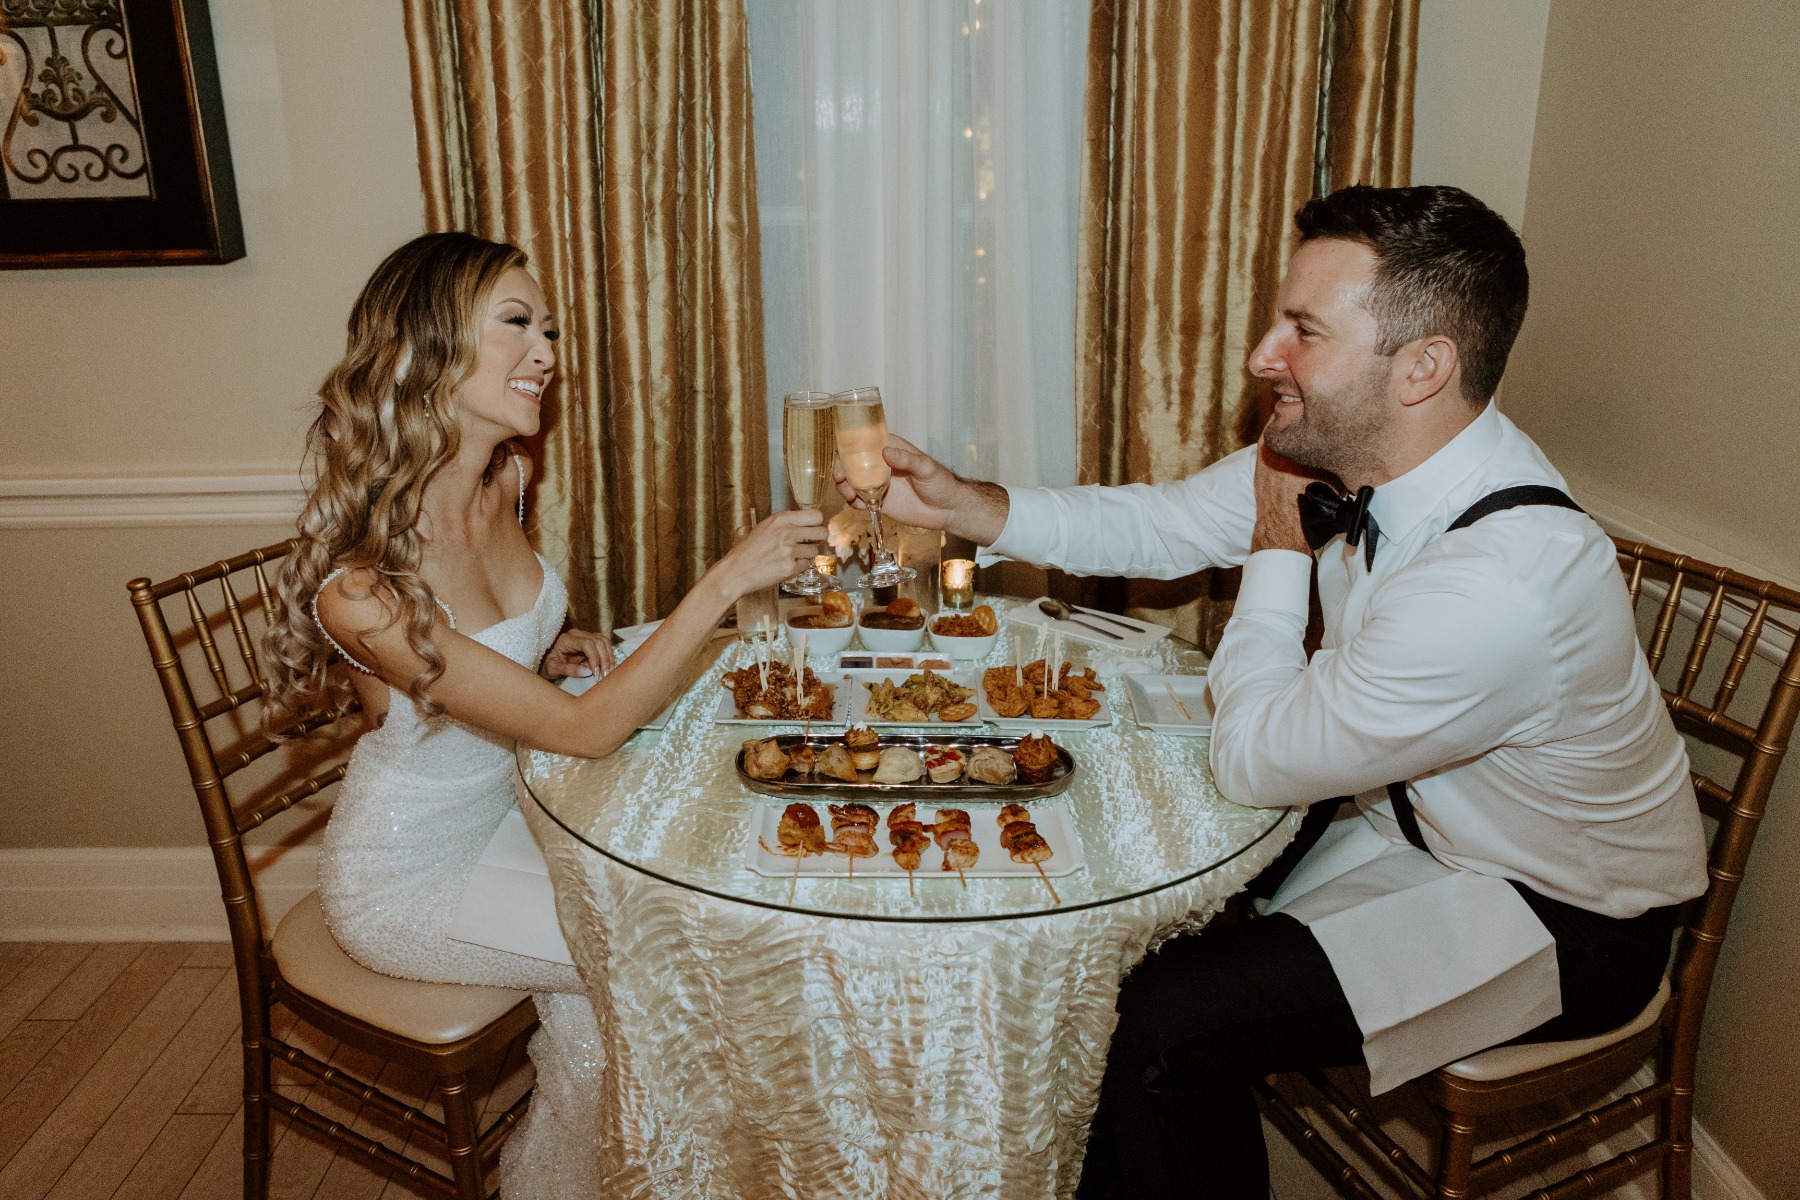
point(343, 653)
point(520, 467)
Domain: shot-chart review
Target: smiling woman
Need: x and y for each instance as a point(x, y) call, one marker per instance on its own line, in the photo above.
point(516, 360)
point(414, 568)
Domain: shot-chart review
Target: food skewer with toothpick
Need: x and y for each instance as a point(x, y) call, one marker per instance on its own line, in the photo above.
point(853, 832)
point(1023, 843)
point(951, 829)
point(908, 837)
point(798, 835)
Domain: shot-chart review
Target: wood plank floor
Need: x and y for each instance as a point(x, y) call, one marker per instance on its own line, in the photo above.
point(120, 1077)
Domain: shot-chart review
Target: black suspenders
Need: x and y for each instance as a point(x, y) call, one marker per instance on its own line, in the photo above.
point(1487, 506)
point(1318, 816)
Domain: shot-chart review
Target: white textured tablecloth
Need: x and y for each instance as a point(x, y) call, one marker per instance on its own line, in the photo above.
point(752, 1052)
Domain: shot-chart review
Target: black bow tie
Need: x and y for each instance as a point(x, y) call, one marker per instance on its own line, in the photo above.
point(1324, 514)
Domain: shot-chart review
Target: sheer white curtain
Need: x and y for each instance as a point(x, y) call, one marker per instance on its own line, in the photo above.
point(917, 171)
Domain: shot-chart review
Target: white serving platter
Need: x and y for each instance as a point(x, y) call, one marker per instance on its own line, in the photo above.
point(859, 681)
point(726, 711)
point(1154, 709)
point(1099, 720)
point(1051, 819)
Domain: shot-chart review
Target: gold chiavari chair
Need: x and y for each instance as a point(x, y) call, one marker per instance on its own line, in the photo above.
point(448, 1033)
point(1743, 736)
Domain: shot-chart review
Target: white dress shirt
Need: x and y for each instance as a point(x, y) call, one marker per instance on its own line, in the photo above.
point(1496, 668)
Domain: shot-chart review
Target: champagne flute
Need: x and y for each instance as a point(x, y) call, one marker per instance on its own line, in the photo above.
point(861, 440)
point(808, 432)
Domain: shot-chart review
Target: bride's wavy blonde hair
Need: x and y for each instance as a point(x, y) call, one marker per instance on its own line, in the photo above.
point(386, 426)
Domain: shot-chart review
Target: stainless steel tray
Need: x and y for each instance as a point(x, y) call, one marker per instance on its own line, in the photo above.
point(920, 789)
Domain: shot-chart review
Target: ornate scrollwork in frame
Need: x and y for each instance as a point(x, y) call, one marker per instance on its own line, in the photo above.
point(112, 136)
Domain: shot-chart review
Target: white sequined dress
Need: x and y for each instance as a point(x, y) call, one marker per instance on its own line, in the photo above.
point(421, 798)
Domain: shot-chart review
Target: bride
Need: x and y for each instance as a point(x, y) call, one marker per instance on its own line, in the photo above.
point(413, 567)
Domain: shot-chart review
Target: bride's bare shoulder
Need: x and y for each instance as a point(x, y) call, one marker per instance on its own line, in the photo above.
point(350, 602)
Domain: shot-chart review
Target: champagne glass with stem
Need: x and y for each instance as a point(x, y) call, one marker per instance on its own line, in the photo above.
point(861, 438)
point(808, 438)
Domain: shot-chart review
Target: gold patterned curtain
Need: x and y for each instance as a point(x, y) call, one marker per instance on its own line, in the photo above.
point(611, 140)
point(1208, 122)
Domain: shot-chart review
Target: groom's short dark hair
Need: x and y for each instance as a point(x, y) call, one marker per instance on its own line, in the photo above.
point(1445, 263)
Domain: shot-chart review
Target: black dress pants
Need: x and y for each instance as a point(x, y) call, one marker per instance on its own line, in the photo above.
point(1207, 1015)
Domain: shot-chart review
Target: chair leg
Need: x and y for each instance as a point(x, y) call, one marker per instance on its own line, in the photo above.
point(256, 1117)
point(1675, 1117)
point(460, 1124)
point(1456, 1156)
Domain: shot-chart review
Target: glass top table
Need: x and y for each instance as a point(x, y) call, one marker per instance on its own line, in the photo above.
point(670, 804)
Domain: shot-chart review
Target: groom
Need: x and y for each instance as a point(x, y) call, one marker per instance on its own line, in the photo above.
point(1522, 826)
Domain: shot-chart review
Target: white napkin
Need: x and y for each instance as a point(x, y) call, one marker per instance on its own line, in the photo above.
point(1112, 662)
point(1371, 904)
point(508, 903)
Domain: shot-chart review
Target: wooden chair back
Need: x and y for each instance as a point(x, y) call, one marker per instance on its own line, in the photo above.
point(1725, 650)
point(1689, 611)
point(225, 607)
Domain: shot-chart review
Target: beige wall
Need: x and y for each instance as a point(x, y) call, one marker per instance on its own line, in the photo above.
point(1475, 101)
point(1657, 368)
point(1659, 360)
point(176, 371)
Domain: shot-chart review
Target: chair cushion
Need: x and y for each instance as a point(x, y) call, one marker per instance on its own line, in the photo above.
point(434, 1013)
point(1504, 1062)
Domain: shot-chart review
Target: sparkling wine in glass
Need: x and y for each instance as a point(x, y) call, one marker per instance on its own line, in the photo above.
point(808, 427)
point(861, 439)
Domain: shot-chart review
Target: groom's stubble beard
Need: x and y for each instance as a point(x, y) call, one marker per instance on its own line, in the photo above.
point(1342, 432)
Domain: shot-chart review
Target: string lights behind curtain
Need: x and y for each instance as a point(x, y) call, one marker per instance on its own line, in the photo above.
point(1209, 122)
point(916, 167)
point(611, 140)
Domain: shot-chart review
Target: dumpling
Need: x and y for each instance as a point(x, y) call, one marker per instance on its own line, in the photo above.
point(899, 765)
point(764, 759)
point(833, 762)
point(992, 765)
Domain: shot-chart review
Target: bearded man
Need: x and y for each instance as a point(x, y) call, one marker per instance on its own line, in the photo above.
point(1523, 826)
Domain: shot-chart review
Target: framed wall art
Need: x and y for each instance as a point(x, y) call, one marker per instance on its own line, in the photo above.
point(112, 136)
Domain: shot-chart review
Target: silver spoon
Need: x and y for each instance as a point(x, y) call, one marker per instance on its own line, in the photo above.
point(1057, 610)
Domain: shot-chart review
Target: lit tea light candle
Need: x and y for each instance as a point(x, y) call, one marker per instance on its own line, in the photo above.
point(958, 582)
point(825, 564)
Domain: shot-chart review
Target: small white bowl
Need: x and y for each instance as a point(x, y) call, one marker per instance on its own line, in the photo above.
point(964, 647)
point(890, 641)
point(821, 641)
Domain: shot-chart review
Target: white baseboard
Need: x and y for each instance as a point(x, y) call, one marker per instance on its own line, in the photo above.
point(1716, 1176)
point(107, 894)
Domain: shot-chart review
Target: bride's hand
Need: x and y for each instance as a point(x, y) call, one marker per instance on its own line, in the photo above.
point(776, 549)
point(579, 654)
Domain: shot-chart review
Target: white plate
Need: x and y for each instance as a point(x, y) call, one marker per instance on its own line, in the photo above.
point(1098, 720)
point(1052, 822)
point(1026, 612)
point(726, 713)
point(859, 705)
point(1154, 709)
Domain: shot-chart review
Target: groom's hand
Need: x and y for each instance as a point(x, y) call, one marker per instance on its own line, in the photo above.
point(1279, 483)
point(924, 492)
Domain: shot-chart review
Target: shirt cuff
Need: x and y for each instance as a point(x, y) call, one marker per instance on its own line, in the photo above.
point(1276, 581)
point(1030, 527)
